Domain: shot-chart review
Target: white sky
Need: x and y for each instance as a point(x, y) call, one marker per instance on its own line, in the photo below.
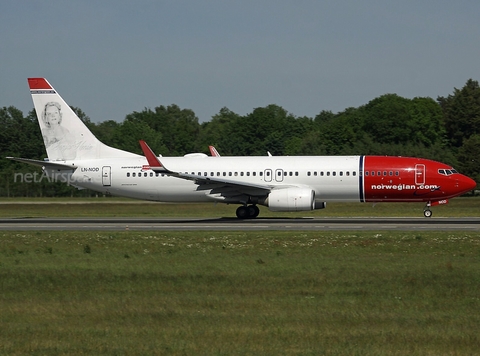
point(113, 57)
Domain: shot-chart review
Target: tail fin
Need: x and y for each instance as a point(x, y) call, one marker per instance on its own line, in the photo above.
point(65, 136)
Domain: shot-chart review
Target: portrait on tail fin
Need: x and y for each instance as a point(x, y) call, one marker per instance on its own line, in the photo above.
point(55, 136)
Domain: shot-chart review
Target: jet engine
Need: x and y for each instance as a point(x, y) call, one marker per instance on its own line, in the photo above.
point(293, 199)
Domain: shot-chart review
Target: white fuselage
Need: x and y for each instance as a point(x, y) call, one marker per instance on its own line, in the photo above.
point(332, 178)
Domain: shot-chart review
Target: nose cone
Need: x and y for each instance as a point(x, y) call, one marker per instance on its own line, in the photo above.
point(465, 184)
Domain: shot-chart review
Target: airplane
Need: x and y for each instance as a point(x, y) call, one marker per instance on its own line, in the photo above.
point(281, 183)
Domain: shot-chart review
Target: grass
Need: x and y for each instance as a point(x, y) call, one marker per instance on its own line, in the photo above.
point(240, 293)
point(117, 207)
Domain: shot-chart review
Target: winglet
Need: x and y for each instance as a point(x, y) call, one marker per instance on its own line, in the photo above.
point(213, 151)
point(153, 161)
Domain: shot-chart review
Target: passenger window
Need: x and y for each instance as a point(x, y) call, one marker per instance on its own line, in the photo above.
point(128, 174)
point(254, 174)
point(390, 173)
point(328, 174)
point(151, 174)
point(334, 174)
point(133, 174)
point(341, 174)
point(260, 174)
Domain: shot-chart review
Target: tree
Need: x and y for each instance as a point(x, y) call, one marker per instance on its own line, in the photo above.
point(178, 127)
point(469, 157)
point(127, 135)
point(215, 131)
point(461, 112)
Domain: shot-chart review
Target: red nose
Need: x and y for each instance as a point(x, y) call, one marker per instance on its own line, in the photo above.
point(465, 184)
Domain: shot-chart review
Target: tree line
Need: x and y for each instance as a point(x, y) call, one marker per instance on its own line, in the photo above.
point(446, 129)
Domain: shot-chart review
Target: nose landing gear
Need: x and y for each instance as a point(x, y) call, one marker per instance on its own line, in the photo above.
point(427, 212)
point(247, 212)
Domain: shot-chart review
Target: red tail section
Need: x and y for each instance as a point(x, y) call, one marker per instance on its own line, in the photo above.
point(38, 84)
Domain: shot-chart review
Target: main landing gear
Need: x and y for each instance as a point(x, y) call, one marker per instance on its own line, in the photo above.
point(247, 212)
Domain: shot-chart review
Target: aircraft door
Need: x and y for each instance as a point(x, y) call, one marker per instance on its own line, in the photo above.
point(419, 174)
point(107, 176)
point(267, 175)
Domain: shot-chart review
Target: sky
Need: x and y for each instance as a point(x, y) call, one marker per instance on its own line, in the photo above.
point(113, 57)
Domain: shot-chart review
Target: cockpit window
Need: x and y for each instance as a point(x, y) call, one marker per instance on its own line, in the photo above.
point(447, 172)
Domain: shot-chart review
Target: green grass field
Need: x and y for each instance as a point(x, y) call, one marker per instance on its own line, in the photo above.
point(237, 293)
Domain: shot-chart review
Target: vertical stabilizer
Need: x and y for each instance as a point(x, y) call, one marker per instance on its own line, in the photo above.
point(65, 136)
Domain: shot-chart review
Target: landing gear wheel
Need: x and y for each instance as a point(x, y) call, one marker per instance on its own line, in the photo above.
point(242, 212)
point(247, 212)
point(253, 211)
point(427, 213)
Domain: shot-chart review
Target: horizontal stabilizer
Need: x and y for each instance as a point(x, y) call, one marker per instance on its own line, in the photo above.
point(44, 164)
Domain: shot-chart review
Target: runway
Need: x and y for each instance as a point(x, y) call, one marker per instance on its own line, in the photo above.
point(232, 224)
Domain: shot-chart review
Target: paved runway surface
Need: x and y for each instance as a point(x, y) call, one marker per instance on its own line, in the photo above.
point(311, 224)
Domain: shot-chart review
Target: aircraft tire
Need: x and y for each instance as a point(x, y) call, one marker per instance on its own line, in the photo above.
point(427, 213)
point(253, 211)
point(242, 212)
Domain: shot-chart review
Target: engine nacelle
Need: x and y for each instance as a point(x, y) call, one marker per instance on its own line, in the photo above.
point(292, 199)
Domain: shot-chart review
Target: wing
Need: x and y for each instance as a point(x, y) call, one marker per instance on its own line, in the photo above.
point(217, 188)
